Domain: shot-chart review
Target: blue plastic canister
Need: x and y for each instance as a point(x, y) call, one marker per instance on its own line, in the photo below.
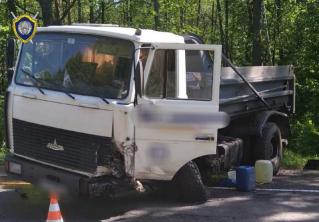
point(245, 178)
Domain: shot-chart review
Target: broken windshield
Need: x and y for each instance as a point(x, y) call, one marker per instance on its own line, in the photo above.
point(79, 64)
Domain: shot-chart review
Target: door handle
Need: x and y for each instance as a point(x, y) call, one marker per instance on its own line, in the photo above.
point(29, 95)
point(89, 105)
point(205, 138)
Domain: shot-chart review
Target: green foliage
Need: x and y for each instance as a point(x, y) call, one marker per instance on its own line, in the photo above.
point(4, 33)
point(3, 150)
point(294, 160)
point(305, 137)
point(1, 122)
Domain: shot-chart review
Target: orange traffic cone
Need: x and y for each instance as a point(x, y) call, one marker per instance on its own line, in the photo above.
point(54, 214)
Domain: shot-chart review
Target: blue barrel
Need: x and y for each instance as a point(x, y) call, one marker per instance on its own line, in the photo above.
point(245, 178)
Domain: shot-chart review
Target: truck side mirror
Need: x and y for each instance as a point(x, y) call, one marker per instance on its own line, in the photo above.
point(138, 73)
point(10, 55)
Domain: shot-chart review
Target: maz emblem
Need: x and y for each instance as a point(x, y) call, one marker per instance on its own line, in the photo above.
point(55, 146)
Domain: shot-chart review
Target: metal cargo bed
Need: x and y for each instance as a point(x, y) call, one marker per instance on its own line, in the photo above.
point(275, 84)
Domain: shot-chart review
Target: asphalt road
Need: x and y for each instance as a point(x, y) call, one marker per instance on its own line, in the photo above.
point(293, 196)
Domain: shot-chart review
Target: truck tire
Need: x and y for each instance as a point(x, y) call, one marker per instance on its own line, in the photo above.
point(188, 184)
point(269, 146)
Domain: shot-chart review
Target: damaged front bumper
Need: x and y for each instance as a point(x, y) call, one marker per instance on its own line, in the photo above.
point(57, 180)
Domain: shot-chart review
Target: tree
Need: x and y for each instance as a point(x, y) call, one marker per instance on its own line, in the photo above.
point(226, 41)
point(156, 15)
point(221, 29)
point(257, 26)
point(199, 3)
point(57, 10)
point(11, 6)
point(102, 3)
point(79, 9)
point(46, 9)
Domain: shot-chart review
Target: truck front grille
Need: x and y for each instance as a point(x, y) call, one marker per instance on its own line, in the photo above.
point(79, 149)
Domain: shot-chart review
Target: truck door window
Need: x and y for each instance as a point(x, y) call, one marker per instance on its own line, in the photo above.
point(161, 81)
point(199, 75)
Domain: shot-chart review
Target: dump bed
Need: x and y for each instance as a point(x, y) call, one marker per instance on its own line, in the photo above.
point(276, 84)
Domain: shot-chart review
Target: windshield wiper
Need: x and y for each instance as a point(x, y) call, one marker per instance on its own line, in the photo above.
point(61, 90)
point(52, 84)
point(45, 83)
point(107, 102)
point(69, 94)
point(35, 79)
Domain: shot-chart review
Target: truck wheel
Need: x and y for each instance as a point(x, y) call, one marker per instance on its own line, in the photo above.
point(269, 146)
point(189, 185)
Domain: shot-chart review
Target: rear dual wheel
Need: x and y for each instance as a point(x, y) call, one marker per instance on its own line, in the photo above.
point(269, 146)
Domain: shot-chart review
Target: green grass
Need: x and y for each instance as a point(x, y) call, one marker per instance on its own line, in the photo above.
point(2, 148)
point(2, 155)
point(293, 160)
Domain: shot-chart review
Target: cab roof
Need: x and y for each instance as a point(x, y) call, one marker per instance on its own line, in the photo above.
point(145, 36)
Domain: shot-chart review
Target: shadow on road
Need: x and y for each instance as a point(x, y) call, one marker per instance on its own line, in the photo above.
point(224, 205)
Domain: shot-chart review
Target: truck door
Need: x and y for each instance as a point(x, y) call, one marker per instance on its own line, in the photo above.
point(177, 117)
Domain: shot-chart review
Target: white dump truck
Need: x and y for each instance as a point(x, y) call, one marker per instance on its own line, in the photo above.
point(98, 108)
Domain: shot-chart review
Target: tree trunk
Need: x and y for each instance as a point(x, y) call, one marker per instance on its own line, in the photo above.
point(24, 6)
point(166, 16)
point(156, 16)
point(226, 3)
point(91, 12)
point(257, 26)
point(79, 11)
point(128, 12)
point(102, 11)
point(56, 10)
point(46, 9)
point(267, 36)
point(221, 30)
point(181, 17)
point(198, 12)
point(182, 14)
point(69, 19)
point(248, 44)
point(278, 4)
point(212, 21)
point(11, 7)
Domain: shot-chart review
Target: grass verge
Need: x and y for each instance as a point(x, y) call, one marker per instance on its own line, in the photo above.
point(293, 160)
point(1, 158)
point(2, 155)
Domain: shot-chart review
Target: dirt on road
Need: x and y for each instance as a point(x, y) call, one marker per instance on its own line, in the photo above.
point(293, 196)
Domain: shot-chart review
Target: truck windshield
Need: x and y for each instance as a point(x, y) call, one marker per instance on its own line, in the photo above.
point(80, 64)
